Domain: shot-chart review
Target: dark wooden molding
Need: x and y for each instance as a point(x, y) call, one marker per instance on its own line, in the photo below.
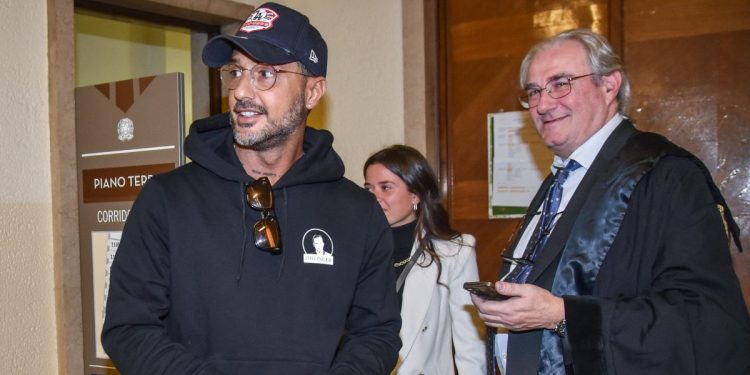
point(193, 14)
point(444, 169)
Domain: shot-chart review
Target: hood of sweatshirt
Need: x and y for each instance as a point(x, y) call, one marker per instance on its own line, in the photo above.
point(210, 143)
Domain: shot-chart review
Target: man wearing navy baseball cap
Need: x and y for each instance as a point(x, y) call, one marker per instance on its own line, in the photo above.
point(216, 272)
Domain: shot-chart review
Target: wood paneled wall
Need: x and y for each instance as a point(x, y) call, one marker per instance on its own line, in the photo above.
point(688, 64)
point(687, 60)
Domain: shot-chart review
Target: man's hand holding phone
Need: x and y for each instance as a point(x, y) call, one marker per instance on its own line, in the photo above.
point(485, 290)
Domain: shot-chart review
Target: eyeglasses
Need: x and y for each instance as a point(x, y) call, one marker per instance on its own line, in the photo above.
point(262, 76)
point(555, 88)
point(266, 230)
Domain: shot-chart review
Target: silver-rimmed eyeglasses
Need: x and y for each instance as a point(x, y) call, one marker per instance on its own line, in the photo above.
point(262, 76)
point(556, 88)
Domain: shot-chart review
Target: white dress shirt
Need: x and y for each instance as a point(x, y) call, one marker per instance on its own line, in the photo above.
point(584, 155)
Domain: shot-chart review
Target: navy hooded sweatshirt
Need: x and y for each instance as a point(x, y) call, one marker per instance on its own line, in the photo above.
point(191, 294)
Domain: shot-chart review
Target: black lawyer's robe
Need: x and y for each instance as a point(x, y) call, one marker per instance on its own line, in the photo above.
point(666, 299)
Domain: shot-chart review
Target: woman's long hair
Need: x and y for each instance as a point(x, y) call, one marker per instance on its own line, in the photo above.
point(432, 219)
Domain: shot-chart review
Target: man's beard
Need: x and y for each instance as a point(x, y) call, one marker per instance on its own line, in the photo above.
point(276, 132)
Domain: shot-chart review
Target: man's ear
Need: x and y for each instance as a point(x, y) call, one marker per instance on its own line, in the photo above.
point(612, 84)
point(315, 88)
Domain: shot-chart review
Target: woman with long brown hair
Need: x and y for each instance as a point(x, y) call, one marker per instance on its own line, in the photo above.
point(432, 261)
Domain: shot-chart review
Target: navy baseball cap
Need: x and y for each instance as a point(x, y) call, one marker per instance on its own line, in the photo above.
point(272, 34)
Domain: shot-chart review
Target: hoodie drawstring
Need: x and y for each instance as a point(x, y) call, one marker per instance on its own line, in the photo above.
point(244, 232)
point(282, 230)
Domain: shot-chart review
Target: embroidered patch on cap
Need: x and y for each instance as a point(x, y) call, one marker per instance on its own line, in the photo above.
point(260, 19)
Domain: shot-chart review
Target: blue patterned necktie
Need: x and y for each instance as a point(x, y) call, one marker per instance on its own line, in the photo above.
point(551, 359)
point(521, 272)
point(545, 225)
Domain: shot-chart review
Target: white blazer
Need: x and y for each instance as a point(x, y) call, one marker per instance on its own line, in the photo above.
point(438, 317)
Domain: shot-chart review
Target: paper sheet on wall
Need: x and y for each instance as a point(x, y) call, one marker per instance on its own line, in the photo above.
point(518, 162)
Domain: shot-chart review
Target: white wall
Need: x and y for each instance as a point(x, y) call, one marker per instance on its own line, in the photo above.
point(27, 310)
point(364, 105)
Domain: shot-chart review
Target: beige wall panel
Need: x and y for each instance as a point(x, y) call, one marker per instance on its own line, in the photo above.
point(27, 312)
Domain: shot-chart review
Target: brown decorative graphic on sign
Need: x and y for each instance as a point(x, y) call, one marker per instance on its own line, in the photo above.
point(104, 89)
point(124, 94)
point(144, 82)
point(125, 91)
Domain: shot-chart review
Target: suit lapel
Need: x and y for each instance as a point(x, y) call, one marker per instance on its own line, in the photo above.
point(592, 180)
point(418, 290)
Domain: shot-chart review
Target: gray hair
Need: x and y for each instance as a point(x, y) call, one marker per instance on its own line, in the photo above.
point(304, 70)
point(602, 60)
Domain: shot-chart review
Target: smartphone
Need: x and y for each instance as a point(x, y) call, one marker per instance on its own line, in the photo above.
point(484, 289)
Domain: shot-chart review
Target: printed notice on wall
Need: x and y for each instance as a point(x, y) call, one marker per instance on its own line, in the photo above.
point(518, 162)
point(103, 249)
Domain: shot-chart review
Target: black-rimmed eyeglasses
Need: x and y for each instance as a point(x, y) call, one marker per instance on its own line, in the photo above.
point(555, 88)
point(262, 76)
point(266, 230)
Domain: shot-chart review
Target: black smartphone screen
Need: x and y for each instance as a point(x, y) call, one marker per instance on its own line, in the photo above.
point(484, 289)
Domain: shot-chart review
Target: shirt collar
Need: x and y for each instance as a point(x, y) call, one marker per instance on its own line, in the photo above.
point(586, 153)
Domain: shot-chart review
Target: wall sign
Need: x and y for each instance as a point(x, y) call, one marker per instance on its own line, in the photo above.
point(126, 132)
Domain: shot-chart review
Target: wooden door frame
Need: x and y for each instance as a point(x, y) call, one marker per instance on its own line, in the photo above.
point(61, 63)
